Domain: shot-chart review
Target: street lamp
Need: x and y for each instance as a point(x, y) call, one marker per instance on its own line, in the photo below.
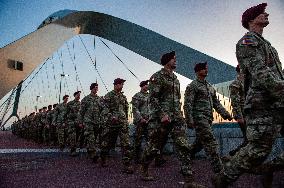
point(62, 76)
point(39, 96)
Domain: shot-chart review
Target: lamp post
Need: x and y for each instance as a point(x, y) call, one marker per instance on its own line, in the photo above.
point(62, 76)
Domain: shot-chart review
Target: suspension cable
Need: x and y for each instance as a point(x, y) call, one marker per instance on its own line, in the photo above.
point(93, 63)
point(119, 59)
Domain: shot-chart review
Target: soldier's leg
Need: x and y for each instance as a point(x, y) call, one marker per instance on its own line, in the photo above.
point(151, 149)
point(164, 134)
point(71, 139)
point(137, 142)
point(261, 133)
point(205, 135)
point(110, 134)
point(91, 141)
point(243, 128)
point(182, 148)
point(60, 136)
point(125, 148)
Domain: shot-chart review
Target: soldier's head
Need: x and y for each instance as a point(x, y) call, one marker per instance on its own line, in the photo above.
point(44, 109)
point(201, 69)
point(49, 107)
point(77, 95)
point(168, 60)
point(54, 105)
point(40, 110)
point(118, 84)
point(65, 98)
point(255, 17)
point(94, 87)
point(144, 85)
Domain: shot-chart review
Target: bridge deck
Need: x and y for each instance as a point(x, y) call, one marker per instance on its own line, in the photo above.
point(56, 169)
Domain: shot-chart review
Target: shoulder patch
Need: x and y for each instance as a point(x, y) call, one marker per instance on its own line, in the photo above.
point(248, 40)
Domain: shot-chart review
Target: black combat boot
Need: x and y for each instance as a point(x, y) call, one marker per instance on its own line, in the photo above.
point(219, 181)
point(128, 169)
point(145, 173)
point(267, 179)
point(190, 183)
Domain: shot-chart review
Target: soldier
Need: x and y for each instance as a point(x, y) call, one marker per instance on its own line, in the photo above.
point(91, 119)
point(72, 121)
point(117, 125)
point(199, 100)
point(59, 119)
point(238, 101)
point(43, 126)
point(140, 110)
point(165, 118)
point(37, 127)
point(52, 129)
point(264, 85)
point(46, 128)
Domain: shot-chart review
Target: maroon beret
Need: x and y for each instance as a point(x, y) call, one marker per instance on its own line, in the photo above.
point(143, 83)
point(118, 81)
point(200, 66)
point(77, 92)
point(93, 85)
point(167, 57)
point(65, 96)
point(252, 13)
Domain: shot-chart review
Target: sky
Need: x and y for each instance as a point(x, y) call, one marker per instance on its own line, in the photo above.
point(212, 27)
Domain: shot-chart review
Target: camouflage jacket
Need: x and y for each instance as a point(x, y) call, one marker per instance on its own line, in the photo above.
point(263, 77)
point(237, 97)
point(116, 105)
point(72, 111)
point(36, 120)
point(140, 106)
point(164, 95)
point(43, 119)
point(49, 116)
point(91, 109)
point(60, 114)
point(199, 100)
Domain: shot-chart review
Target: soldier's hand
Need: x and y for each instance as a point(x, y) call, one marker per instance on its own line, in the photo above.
point(240, 120)
point(81, 126)
point(165, 120)
point(143, 121)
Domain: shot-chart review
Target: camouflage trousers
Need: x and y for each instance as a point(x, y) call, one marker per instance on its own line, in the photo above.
point(71, 134)
point(205, 139)
point(157, 134)
point(140, 131)
point(52, 134)
point(262, 129)
point(110, 134)
point(61, 134)
point(91, 134)
point(46, 134)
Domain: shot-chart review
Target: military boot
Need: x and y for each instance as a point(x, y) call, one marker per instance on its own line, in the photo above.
point(190, 183)
point(73, 152)
point(266, 180)
point(128, 169)
point(219, 181)
point(145, 173)
point(103, 161)
point(160, 161)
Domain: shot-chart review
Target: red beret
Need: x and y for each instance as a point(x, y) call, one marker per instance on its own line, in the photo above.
point(200, 66)
point(143, 83)
point(167, 57)
point(93, 85)
point(118, 81)
point(252, 13)
point(65, 96)
point(77, 92)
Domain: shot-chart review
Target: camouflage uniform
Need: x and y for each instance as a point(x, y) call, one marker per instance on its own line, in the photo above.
point(164, 97)
point(72, 120)
point(91, 117)
point(140, 109)
point(52, 128)
point(44, 128)
point(237, 95)
point(116, 106)
point(199, 100)
point(264, 105)
point(59, 119)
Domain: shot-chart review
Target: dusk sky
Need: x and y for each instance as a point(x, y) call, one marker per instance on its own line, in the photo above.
point(212, 27)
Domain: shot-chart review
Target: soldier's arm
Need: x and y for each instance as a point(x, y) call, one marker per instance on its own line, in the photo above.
point(252, 59)
point(155, 86)
point(82, 110)
point(218, 106)
point(55, 115)
point(135, 108)
point(236, 101)
point(126, 107)
point(189, 97)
